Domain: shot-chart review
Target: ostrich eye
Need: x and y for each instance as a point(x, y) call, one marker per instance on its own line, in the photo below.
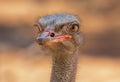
point(71, 28)
point(38, 28)
point(74, 28)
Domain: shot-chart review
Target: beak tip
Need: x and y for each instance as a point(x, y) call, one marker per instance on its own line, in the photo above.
point(39, 40)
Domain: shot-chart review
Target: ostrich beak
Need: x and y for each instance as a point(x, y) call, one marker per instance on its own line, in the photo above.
point(50, 37)
point(43, 38)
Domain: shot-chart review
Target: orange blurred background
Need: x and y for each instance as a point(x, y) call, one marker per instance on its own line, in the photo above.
point(22, 60)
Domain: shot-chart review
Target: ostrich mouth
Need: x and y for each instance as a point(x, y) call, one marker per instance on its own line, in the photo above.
point(46, 38)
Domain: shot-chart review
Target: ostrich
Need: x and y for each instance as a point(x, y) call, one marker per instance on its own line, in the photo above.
point(61, 34)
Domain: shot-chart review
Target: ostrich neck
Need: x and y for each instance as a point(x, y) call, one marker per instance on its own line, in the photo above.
point(64, 67)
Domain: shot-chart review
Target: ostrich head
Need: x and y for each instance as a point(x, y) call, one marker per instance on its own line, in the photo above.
point(59, 32)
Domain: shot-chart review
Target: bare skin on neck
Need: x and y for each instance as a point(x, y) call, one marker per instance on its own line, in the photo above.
point(64, 67)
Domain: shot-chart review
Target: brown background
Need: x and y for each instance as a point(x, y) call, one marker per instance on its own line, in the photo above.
point(22, 60)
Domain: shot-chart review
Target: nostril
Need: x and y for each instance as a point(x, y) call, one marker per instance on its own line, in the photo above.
point(52, 34)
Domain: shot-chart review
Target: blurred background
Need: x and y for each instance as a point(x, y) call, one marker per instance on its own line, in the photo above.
point(22, 60)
